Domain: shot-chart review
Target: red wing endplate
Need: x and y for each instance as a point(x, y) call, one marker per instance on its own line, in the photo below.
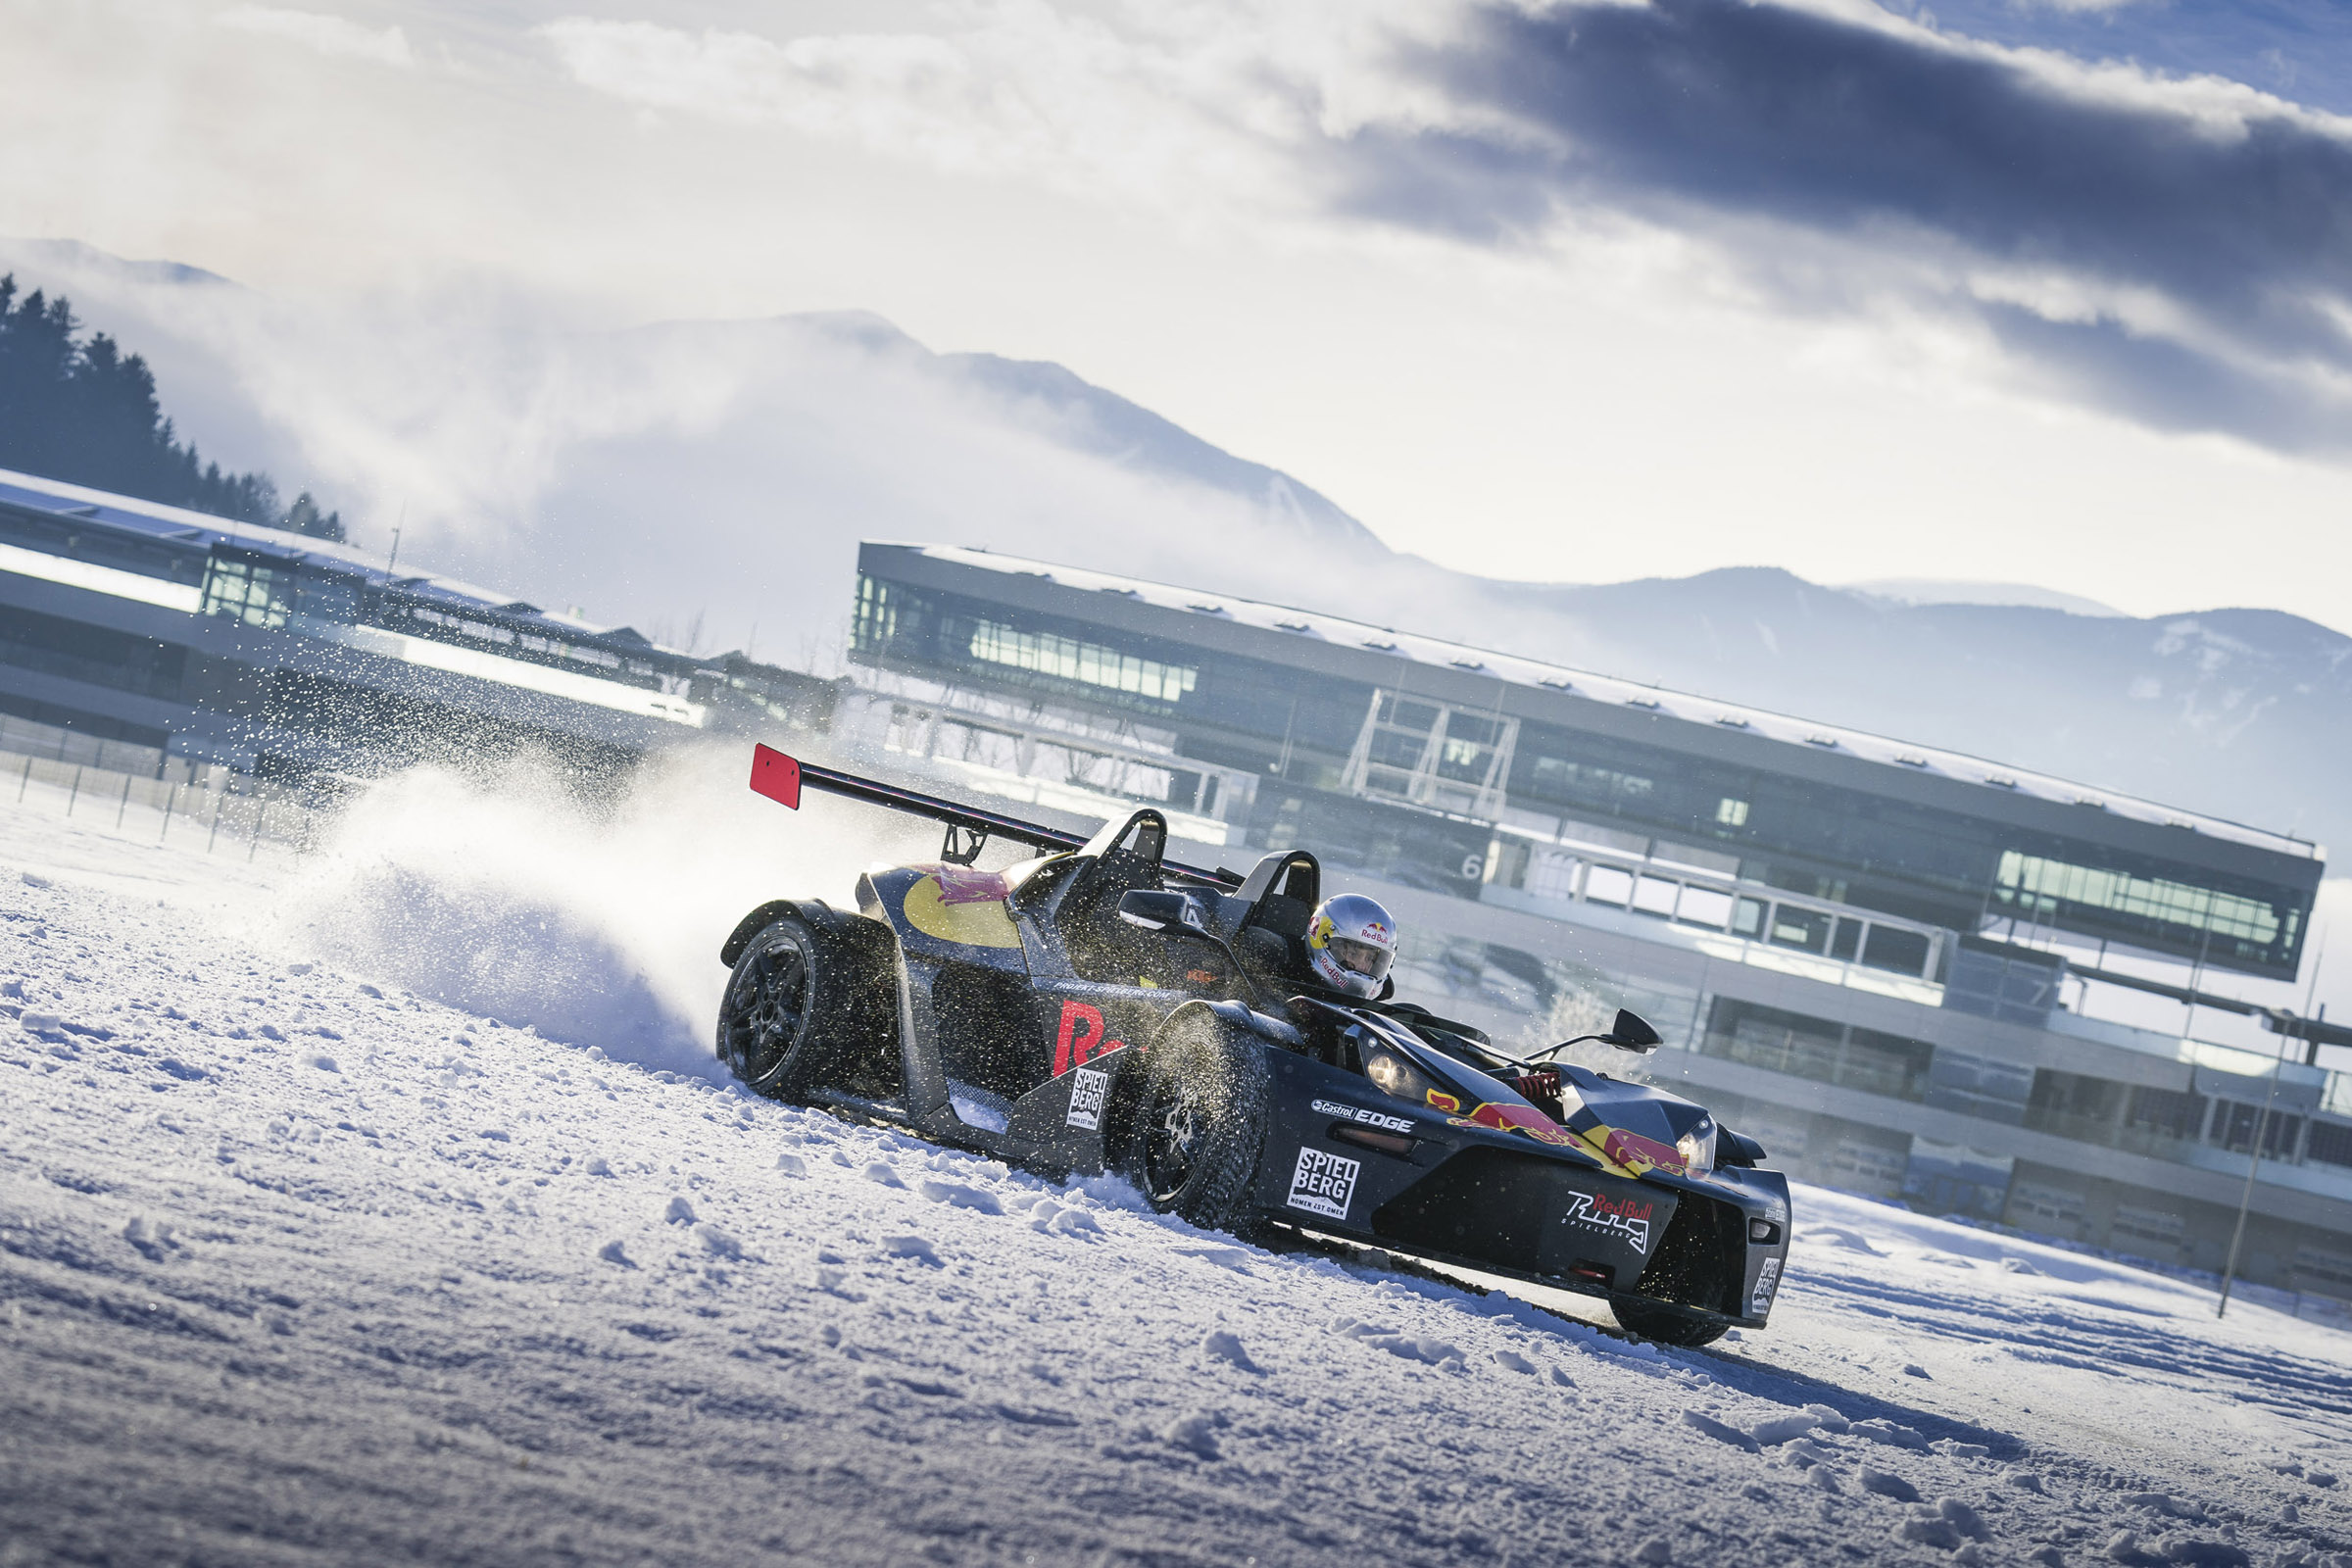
point(776, 776)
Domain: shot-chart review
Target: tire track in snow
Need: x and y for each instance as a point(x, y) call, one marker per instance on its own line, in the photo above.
point(460, 1293)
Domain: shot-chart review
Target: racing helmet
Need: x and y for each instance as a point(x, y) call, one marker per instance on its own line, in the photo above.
point(1350, 942)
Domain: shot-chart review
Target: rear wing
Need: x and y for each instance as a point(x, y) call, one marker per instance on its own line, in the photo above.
point(781, 779)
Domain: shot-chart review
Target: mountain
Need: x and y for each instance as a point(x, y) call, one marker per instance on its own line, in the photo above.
point(1119, 431)
point(72, 257)
point(710, 480)
point(1933, 591)
point(1086, 418)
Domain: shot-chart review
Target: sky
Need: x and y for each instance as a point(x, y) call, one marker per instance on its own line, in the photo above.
point(2045, 291)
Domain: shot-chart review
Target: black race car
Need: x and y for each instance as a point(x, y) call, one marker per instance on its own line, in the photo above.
point(1098, 1008)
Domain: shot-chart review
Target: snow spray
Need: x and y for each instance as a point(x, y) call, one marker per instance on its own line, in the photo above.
point(596, 922)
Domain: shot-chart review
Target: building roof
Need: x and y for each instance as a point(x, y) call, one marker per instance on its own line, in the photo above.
point(200, 531)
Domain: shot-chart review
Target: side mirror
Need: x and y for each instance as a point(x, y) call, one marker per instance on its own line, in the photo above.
point(1632, 1032)
point(1155, 910)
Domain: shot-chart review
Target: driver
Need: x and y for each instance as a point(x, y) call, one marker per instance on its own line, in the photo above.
point(1349, 945)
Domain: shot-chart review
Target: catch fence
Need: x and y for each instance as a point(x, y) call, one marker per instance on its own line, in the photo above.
point(131, 788)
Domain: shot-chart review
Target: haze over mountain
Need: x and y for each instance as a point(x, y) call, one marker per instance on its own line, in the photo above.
point(709, 481)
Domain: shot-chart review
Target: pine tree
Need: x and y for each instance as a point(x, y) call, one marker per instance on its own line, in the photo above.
point(304, 516)
point(84, 411)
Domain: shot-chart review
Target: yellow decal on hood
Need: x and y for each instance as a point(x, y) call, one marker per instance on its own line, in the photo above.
point(956, 913)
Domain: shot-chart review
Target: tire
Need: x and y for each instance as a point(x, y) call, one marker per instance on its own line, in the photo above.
point(802, 1005)
point(1200, 1122)
point(1663, 1325)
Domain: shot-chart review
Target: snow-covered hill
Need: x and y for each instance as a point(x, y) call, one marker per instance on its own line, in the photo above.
point(303, 1259)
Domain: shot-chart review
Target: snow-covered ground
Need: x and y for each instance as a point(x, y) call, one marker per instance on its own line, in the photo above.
point(306, 1257)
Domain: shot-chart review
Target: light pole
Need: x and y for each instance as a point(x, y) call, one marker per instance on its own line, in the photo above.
point(2246, 1200)
point(2262, 1130)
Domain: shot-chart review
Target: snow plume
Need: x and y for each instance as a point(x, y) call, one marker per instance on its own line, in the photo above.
point(592, 923)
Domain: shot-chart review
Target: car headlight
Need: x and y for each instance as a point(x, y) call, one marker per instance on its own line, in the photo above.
point(1697, 1149)
point(1392, 1074)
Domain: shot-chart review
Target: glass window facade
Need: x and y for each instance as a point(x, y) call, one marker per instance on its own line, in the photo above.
point(1043, 653)
point(1818, 1049)
point(1247, 711)
point(2047, 887)
point(247, 591)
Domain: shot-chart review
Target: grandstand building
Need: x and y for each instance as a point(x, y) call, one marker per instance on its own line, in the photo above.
point(1880, 958)
point(278, 655)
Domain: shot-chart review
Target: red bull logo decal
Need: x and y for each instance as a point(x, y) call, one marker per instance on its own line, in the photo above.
point(1513, 1118)
point(1639, 1153)
point(1628, 1218)
point(1624, 1154)
point(1521, 1119)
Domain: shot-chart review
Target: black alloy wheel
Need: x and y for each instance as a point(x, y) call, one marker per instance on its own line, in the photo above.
point(1200, 1122)
point(1172, 1127)
point(765, 1014)
point(807, 1005)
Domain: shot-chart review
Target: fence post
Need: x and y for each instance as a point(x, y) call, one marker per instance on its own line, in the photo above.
point(219, 801)
point(259, 818)
point(26, 780)
point(76, 791)
point(123, 810)
point(171, 799)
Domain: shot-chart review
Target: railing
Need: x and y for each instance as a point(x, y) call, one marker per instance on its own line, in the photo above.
point(1571, 872)
point(116, 785)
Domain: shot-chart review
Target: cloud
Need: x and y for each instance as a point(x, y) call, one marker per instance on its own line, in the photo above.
point(1198, 104)
point(329, 35)
point(2179, 251)
point(2173, 251)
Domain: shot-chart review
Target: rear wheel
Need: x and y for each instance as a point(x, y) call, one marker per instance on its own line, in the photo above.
point(803, 1005)
point(1200, 1122)
point(1664, 1325)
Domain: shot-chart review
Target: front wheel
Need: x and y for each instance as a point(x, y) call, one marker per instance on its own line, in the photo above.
point(801, 1005)
point(1200, 1122)
point(1667, 1327)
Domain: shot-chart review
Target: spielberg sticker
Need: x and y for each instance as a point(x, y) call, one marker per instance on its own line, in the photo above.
point(1628, 1218)
point(1766, 1278)
point(1087, 1086)
point(1323, 1184)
